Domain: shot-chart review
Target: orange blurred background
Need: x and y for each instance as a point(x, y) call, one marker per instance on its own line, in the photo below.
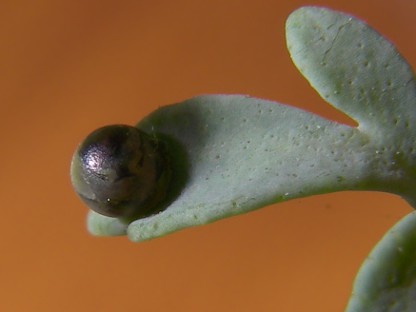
point(70, 66)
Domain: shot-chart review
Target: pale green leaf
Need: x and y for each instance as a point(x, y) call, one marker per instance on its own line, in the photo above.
point(355, 69)
point(362, 74)
point(232, 154)
point(243, 153)
point(386, 281)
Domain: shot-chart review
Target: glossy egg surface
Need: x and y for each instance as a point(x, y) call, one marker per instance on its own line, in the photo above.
point(120, 171)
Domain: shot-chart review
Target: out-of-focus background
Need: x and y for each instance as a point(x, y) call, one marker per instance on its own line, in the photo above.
point(70, 66)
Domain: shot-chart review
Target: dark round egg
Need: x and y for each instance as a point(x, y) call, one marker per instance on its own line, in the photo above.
point(120, 171)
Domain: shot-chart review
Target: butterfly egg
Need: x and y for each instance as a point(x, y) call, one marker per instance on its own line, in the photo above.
point(120, 171)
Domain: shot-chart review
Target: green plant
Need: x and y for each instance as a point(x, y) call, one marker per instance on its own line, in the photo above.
point(231, 154)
